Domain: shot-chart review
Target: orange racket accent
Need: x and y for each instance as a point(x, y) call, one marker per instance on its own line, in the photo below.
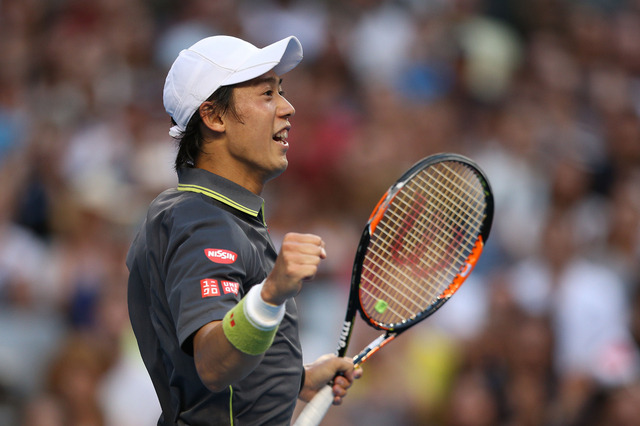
point(466, 270)
point(373, 348)
point(377, 214)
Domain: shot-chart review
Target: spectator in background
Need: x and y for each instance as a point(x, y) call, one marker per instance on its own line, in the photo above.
point(82, 78)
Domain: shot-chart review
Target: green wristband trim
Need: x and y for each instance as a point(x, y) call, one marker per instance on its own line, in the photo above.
point(243, 335)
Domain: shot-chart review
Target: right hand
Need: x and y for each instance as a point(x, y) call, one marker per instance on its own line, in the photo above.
point(324, 369)
point(298, 261)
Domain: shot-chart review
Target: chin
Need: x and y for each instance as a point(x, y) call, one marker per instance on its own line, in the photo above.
point(284, 163)
point(278, 171)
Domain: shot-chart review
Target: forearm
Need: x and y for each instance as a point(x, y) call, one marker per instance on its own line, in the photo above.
point(218, 362)
point(228, 350)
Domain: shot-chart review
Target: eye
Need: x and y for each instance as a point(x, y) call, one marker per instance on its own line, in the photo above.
point(269, 92)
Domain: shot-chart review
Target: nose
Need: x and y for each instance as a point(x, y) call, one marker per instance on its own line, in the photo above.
point(286, 109)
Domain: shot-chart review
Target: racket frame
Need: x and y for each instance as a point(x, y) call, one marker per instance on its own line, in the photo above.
point(355, 304)
point(316, 408)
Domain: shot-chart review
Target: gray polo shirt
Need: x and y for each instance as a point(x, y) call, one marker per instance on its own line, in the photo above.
point(201, 247)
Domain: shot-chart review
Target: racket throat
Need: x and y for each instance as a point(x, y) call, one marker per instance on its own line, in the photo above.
point(372, 348)
point(345, 335)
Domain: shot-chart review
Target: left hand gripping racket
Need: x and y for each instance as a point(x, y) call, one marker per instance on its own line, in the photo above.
point(419, 245)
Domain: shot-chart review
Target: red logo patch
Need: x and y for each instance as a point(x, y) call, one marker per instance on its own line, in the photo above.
point(209, 288)
point(230, 287)
point(220, 256)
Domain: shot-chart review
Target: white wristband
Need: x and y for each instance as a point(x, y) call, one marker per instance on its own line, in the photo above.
point(261, 314)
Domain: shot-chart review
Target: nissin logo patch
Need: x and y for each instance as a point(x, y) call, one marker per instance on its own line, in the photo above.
point(220, 256)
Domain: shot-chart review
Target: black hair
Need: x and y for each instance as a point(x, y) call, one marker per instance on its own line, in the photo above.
point(190, 146)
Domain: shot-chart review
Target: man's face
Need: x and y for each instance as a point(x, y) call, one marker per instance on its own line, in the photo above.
point(257, 141)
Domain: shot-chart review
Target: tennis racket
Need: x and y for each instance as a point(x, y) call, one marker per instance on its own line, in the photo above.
point(419, 245)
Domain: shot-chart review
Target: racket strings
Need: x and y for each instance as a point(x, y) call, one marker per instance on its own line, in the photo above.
point(449, 237)
point(437, 226)
point(441, 188)
point(396, 303)
point(384, 256)
point(419, 301)
point(421, 243)
point(463, 184)
point(393, 267)
point(451, 221)
point(451, 205)
point(456, 209)
point(408, 305)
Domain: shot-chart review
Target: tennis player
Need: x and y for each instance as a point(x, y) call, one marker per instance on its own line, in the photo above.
point(210, 299)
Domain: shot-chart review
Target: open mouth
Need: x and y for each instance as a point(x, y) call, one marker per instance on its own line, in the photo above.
point(281, 137)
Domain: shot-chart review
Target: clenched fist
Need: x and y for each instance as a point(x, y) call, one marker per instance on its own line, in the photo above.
point(297, 261)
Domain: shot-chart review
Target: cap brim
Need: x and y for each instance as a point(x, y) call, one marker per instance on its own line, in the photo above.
point(281, 56)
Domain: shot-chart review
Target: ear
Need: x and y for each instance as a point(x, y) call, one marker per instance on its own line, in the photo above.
point(210, 118)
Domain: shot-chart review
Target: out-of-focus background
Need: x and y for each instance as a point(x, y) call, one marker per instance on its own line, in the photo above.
point(543, 94)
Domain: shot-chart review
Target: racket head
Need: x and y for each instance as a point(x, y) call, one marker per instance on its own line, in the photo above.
point(422, 240)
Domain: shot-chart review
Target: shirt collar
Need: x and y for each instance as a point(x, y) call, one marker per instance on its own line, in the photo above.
point(220, 189)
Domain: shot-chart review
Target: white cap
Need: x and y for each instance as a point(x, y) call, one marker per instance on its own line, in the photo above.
point(219, 61)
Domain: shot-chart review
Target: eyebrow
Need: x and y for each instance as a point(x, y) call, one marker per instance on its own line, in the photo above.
point(260, 80)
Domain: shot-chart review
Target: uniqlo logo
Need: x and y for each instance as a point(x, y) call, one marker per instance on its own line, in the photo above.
point(209, 288)
point(229, 287)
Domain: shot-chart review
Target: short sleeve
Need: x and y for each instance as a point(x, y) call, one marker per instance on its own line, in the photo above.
point(205, 268)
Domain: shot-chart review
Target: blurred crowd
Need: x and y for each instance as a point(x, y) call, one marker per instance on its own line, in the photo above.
point(543, 94)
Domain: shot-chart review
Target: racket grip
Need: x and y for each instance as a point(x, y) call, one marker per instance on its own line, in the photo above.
point(315, 410)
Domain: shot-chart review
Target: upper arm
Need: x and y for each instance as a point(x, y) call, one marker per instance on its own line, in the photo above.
point(196, 283)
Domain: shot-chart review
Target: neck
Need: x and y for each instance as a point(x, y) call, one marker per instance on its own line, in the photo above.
point(230, 173)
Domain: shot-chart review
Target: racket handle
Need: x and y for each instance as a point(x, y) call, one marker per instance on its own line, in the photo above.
point(315, 410)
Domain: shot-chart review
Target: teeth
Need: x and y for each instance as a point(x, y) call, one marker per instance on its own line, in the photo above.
point(282, 135)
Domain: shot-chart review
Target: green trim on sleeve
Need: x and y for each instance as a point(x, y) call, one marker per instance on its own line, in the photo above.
point(231, 405)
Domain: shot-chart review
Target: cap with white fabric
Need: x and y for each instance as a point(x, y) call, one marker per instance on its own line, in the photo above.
point(219, 61)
